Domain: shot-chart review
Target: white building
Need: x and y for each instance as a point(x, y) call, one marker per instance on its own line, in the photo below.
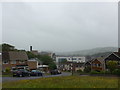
point(77, 59)
point(78, 62)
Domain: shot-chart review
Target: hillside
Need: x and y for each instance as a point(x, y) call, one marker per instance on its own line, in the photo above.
point(94, 51)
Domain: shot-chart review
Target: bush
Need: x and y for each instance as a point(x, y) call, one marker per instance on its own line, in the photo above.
point(79, 71)
point(116, 72)
point(102, 72)
point(94, 72)
point(7, 70)
point(107, 72)
point(87, 69)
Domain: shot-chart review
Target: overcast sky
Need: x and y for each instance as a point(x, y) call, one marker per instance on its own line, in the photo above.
point(60, 26)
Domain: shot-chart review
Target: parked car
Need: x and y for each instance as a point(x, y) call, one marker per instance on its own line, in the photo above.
point(21, 73)
point(55, 72)
point(36, 73)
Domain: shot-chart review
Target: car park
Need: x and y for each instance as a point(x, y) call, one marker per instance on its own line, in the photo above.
point(21, 73)
point(36, 73)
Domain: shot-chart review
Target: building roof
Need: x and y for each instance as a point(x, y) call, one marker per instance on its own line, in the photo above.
point(117, 53)
point(18, 55)
point(101, 59)
point(15, 55)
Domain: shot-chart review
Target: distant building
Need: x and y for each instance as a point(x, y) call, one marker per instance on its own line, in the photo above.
point(77, 59)
point(52, 55)
point(35, 52)
point(69, 63)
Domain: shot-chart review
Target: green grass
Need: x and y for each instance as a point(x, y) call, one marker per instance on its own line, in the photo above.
point(65, 82)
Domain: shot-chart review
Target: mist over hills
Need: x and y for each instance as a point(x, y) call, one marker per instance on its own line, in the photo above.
point(90, 52)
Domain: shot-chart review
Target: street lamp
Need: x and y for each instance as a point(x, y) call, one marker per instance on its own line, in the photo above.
point(42, 66)
point(72, 66)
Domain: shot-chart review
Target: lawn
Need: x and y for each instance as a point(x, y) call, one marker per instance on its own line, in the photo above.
point(65, 82)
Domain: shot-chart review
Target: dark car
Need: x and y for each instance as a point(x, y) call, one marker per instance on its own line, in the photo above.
point(36, 73)
point(55, 72)
point(21, 73)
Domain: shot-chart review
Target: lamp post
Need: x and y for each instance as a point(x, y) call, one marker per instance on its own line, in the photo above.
point(72, 66)
point(42, 66)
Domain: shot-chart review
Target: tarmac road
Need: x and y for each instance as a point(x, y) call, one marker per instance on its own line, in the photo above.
point(8, 79)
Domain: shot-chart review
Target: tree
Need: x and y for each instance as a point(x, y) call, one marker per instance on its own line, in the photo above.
point(7, 47)
point(112, 65)
point(87, 69)
point(31, 55)
point(47, 60)
point(52, 66)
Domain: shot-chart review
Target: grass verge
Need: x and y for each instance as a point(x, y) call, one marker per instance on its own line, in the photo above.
point(65, 82)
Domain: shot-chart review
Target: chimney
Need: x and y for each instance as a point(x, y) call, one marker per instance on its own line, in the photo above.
point(30, 48)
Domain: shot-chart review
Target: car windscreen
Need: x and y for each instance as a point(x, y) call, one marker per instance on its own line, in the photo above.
point(33, 71)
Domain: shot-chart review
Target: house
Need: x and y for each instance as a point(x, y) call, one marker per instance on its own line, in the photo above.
point(87, 66)
point(14, 59)
point(32, 64)
point(98, 64)
point(115, 56)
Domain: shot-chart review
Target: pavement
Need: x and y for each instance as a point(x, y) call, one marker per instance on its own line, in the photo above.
point(9, 79)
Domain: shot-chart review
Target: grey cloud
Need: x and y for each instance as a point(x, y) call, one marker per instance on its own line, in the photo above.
point(60, 26)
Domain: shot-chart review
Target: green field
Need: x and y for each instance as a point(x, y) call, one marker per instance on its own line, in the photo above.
point(65, 82)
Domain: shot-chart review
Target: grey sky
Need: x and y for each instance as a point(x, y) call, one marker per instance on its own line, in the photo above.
point(60, 26)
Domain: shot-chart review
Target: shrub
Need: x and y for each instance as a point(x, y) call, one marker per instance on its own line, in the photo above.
point(94, 72)
point(116, 72)
point(102, 72)
point(7, 70)
point(112, 65)
point(87, 69)
point(79, 71)
point(107, 72)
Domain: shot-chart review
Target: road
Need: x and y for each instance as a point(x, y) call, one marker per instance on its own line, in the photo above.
point(7, 79)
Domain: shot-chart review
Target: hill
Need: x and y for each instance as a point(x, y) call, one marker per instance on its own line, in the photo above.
point(94, 51)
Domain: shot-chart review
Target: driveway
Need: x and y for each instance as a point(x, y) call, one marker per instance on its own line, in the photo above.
point(7, 79)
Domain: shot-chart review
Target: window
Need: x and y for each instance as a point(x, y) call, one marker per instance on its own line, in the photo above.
point(79, 58)
point(13, 62)
point(5, 62)
point(21, 62)
point(98, 65)
point(74, 58)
